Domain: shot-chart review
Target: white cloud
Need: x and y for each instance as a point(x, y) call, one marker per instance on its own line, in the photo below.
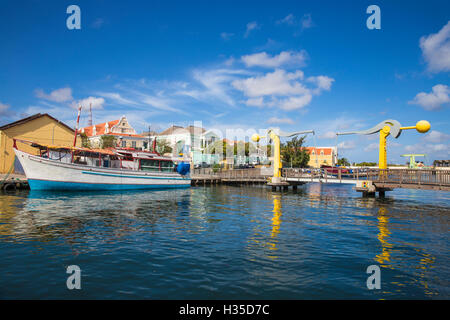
point(58, 95)
point(94, 102)
point(346, 145)
point(251, 26)
point(278, 82)
point(289, 19)
point(436, 49)
point(442, 149)
point(255, 102)
point(226, 35)
point(371, 147)
point(436, 136)
point(117, 98)
point(293, 103)
point(262, 59)
point(328, 135)
point(98, 23)
point(433, 100)
point(283, 89)
point(4, 109)
point(322, 82)
point(214, 85)
point(306, 21)
point(159, 103)
point(275, 120)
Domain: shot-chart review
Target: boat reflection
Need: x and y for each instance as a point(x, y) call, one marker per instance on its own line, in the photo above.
point(45, 215)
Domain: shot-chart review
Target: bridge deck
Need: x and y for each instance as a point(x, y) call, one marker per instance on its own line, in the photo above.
point(382, 179)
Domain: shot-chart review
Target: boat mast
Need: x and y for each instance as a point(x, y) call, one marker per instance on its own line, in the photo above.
point(76, 130)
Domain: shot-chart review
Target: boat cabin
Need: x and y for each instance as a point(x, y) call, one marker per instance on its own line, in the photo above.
point(129, 159)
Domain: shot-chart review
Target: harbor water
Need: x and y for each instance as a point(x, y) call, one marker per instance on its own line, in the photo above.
point(225, 242)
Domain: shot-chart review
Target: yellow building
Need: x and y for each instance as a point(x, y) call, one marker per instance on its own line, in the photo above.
point(39, 128)
point(326, 156)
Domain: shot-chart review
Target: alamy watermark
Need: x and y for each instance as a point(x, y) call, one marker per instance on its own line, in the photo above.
point(74, 20)
point(374, 280)
point(74, 280)
point(374, 20)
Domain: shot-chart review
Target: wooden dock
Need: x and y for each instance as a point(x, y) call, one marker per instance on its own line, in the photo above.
point(13, 182)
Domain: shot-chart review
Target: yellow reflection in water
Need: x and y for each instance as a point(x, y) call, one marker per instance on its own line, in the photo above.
point(385, 259)
point(383, 237)
point(276, 221)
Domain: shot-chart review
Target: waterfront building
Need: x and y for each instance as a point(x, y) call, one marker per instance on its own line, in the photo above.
point(322, 156)
point(441, 163)
point(39, 128)
point(126, 136)
point(192, 141)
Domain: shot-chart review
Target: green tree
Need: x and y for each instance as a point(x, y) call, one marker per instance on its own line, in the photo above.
point(293, 152)
point(220, 147)
point(247, 146)
point(366, 164)
point(163, 146)
point(343, 162)
point(107, 142)
point(85, 142)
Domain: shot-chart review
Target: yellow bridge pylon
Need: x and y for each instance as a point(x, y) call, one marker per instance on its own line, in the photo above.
point(275, 137)
point(386, 128)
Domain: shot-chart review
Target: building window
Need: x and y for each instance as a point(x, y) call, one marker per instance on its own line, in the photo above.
point(124, 144)
point(133, 144)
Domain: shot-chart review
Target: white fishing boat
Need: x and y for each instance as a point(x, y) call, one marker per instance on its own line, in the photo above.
point(75, 168)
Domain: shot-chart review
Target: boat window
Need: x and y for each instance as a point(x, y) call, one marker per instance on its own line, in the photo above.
point(167, 166)
point(149, 165)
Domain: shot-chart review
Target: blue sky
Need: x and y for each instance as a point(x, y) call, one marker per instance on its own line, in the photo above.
point(296, 65)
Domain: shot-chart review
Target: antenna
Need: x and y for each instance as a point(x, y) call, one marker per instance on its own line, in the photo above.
point(90, 115)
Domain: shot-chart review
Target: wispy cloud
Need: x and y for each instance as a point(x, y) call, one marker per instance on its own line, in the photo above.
point(289, 20)
point(58, 95)
point(436, 137)
point(436, 50)
point(250, 27)
point(93, 102)
point(4, 109)
point(117, 98)
point(276, 120)
point(98, 23)
point(433, 100)
point(280, 88)
point(262, 59)
point(306, 21)
point(213, 85)
point(226, 35)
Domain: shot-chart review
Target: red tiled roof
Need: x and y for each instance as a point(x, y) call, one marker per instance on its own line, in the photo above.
point(125, 135)
point(99, 128)
point(326, 150)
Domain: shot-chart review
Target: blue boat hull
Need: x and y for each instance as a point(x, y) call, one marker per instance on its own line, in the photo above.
point(59, 185)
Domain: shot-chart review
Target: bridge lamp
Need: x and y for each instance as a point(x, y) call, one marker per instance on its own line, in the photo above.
point(275, 137)
point(386, 128)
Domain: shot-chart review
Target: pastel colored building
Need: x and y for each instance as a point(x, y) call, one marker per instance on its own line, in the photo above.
point(322, 156)
point(126, 136)
point(39, 128)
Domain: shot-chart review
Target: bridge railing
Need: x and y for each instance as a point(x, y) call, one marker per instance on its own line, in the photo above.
point(326, 174)
point(386, 176)
point(413, 176)
point(234, 174)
